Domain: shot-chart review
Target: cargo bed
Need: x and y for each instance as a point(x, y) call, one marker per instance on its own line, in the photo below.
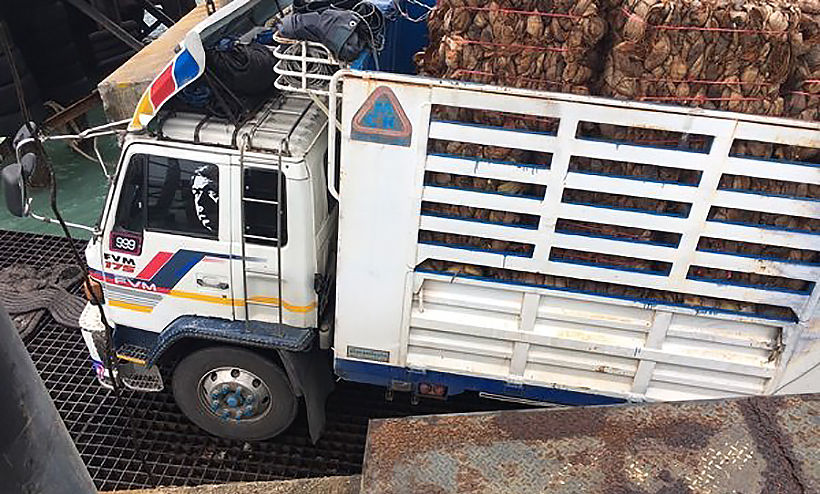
point(526, 321)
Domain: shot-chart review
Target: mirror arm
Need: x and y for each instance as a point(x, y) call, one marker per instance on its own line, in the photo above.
point(51, 221)
point(101, 161)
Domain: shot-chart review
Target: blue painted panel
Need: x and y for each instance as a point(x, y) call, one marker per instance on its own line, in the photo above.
point(383, 375)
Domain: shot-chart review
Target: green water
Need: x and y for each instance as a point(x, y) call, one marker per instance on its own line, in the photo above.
point(81, 189)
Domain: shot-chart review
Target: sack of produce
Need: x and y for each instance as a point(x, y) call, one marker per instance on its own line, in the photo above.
point(534, 44)
point(706, 53)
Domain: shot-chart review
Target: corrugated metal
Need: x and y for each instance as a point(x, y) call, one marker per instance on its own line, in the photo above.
point(746, 445)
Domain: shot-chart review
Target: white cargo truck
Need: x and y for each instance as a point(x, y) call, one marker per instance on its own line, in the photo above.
point(253, 259)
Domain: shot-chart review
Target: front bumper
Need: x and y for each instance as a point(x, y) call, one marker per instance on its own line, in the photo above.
point(96, 340)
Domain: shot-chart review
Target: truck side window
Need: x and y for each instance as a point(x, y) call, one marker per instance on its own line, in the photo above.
point(169, 195)
point(130, 210)
point(259, 203)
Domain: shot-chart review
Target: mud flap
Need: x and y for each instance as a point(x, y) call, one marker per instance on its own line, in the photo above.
point(311, 377)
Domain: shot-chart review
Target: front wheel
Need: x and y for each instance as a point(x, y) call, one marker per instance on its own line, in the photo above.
point(234, 393)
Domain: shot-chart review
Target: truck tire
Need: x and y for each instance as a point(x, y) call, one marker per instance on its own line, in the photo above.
point(216, 385)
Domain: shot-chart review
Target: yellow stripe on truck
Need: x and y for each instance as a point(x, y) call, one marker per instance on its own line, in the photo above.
point(126, 305)
point(200, 297)
point(239, 302)
point(275, 302)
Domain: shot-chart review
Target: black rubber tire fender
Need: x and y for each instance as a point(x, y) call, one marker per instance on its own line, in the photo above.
point(9, 105)
point(191, 369)
point(5, 67)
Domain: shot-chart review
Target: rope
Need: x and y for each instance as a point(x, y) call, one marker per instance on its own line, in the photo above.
point(406, 15)
point(27, 292)
point(559, 15)
point(677, 27)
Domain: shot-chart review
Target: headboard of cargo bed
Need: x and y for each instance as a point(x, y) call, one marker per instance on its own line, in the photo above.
point(648, 204)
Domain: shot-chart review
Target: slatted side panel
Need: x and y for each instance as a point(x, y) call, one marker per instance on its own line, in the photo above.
point(720, 239)
point(525, 336)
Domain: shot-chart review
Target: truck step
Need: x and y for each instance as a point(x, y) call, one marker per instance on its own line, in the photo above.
point(139, 378)
point(132, 353)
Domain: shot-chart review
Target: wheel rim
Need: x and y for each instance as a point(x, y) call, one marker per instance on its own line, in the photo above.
point(234, 394)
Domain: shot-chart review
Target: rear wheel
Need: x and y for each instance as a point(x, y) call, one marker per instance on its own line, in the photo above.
point(234, 393)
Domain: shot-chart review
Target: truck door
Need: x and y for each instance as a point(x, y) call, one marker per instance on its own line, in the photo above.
point(257, 285)
point(166, 242)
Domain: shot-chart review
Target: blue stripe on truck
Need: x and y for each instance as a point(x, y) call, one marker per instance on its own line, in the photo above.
point(385, 375)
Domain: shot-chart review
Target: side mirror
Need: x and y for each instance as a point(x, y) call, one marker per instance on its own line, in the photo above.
point(14, 187)
point(24, 134)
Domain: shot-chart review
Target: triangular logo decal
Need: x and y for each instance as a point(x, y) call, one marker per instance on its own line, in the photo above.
point(382, 120)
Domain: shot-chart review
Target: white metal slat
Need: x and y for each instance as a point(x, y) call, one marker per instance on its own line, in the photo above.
point(441, 294)
point(790, 172)
point(617, 151)
point(694, 287)
point(629, 187)
point(614, 247)
point(542, 355)
point(754, 295)
point(768, 204)
point(475, 229)
point(455, 254)
point(487, 169)
point(757, 235)
point(752, 265)
point(597, 299)
point(425, 321)
point(676, 375)
point(699, 211)
point(508, 103)
point(492, 136)
point(485, 200)
point(656, 119)
point(460, 346)
point(787, 132)
point(620, 217)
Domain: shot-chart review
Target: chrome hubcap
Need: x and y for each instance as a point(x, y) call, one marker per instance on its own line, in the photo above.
point(232, 393)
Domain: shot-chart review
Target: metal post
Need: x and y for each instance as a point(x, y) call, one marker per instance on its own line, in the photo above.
point(244, 146)
point(36, 452)
point(158, 14)
point(280, 176)
point(107, 24)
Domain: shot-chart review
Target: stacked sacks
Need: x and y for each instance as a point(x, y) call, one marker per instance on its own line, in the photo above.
point(707, 53)
point(535, 44)
point(531, 44)
point(803, 101)
point(743, 57)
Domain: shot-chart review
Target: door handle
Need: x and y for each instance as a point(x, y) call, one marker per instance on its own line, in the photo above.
point(209, 282)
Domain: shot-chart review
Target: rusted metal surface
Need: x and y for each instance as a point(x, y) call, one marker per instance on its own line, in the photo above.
point(750, 445)
point(75, 110)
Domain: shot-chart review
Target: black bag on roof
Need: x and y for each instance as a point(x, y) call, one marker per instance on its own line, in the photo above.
point(334, 28)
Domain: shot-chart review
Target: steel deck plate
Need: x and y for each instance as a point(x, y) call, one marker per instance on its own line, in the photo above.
point(750, 445)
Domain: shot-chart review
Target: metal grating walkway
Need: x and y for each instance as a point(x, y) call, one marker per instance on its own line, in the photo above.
point(175, 451)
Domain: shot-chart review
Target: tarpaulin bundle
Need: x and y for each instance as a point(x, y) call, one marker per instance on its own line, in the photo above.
point(244, 68)
point(345, 27)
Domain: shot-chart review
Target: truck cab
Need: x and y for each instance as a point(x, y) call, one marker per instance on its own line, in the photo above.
point(201, 227)
point(193, 224)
